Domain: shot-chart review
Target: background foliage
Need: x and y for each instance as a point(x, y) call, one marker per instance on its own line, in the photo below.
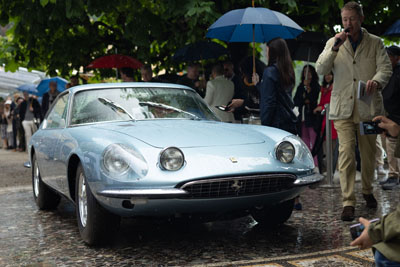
point(59, 36)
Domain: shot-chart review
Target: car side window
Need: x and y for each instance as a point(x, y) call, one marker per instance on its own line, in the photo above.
point(58, 114)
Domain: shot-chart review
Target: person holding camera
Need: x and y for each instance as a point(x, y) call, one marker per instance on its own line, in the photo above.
point(384, 235)
point(355, 55)
point(391, 100)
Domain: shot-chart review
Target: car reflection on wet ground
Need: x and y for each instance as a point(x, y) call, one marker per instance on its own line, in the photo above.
point(29, 236)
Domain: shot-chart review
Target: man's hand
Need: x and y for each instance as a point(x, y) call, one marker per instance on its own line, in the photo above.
point(342, 36)
point(371, 87)
point(317, 109)
point(388, 125)
point(363, 241)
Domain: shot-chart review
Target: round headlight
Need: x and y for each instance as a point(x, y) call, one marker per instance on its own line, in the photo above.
point(114, 160)
point(285, 152)
point(172, 159)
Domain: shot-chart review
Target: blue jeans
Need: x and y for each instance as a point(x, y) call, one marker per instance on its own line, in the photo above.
point(382, 261)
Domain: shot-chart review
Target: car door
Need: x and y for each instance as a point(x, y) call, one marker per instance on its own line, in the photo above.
point(52, 169)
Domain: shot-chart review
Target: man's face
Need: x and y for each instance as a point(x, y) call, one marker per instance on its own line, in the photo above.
point(53, 87)
point(74, 81)
point(352, 21)
point(146, 75)
point(228, 70)
point(193, 72)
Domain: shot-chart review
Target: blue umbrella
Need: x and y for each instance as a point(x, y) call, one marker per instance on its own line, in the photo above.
point(28, 87)
point(393, 30)
point(253, 24)
point(43, 86)
point(199, 51)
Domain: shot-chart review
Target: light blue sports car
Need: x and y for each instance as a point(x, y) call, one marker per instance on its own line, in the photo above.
point(151, 149)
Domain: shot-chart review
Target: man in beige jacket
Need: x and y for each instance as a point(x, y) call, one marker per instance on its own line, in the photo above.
point(355, 55)
point(219, 92)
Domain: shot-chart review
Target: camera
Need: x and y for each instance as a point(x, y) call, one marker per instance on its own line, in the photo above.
point(357, 229)
point(370, 127)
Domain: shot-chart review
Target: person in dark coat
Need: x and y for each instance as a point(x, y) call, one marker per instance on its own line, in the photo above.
point(49, 97)
point(306, 99)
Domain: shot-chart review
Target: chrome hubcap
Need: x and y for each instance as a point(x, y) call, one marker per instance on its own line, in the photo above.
point(82, 200)
point(36, 175)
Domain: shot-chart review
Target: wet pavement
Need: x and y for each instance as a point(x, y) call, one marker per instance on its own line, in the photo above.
point(314, 236)
point(38, 238)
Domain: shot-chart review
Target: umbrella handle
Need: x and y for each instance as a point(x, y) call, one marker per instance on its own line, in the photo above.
point(254, 55)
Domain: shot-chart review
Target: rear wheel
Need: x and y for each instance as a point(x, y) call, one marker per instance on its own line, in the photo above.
point(96, 224)
point(274, 215)
point(45, 198)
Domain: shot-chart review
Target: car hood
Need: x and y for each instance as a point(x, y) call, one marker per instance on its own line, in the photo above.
point(187, 133)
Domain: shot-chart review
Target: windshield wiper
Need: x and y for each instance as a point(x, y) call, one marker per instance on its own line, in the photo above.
point(114, 106)
point(193, 116)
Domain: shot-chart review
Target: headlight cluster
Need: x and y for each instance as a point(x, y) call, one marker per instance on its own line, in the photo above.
point(171, 159)
point(292, 147)
point(285, 152)
point(119, 159)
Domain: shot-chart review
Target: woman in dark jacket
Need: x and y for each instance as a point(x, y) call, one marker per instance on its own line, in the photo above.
point(275, 88)
point(306, 99)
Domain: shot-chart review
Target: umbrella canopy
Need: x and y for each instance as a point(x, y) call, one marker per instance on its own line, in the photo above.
point(393, 30)
point(199, 51)
point(115, 61)
point(238, 26)
point(28, 87)
point(43, 86)
point(307, 46)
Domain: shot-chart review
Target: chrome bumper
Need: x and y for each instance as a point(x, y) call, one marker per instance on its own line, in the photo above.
point(143, 193)
point(309, 179)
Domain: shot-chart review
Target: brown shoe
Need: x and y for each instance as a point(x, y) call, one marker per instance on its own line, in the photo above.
point(371, 201)
point(348, 213)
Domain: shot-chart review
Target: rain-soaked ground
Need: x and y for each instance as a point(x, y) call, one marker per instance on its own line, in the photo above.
point(37, 238)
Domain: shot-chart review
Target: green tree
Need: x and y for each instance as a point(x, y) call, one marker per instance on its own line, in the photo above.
point(61, 36)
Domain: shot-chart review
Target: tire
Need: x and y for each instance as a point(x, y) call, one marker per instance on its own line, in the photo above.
point(45, 198)
point(96, 225)
point(274, 215)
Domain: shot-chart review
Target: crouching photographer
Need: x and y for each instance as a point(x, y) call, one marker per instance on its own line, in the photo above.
point(384, 235)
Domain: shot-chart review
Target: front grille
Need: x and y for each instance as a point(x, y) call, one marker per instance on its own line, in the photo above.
point(239, 186)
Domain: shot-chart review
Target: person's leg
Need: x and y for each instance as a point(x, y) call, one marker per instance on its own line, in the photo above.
point(347, 165)
point(28, 132)
point(312, 136)
point(367, 147)
point(382, 261)
point(304, 135)
point(393, 162)
point(379, 156)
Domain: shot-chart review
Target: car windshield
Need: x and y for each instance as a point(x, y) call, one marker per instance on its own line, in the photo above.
point(118, 104)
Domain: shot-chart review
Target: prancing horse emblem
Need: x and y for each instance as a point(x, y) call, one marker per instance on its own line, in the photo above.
point(236, 185)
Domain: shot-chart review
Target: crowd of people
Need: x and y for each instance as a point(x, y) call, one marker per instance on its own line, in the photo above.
point(238, 95)
point(22, 113)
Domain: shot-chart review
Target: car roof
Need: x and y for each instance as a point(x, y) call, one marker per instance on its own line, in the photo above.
point(97, 86)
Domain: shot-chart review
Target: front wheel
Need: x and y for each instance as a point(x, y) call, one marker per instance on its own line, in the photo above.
point(96, 225)
point(273, 215)
point(45, 198)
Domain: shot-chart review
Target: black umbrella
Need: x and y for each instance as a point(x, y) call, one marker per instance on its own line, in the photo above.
point(199, 51)
point(307, 46)
point(394, 30)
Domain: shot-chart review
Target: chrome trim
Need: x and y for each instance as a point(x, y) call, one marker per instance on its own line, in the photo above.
point(274, 175)
point(145, 193)
point(309, 179)
point(165, 149)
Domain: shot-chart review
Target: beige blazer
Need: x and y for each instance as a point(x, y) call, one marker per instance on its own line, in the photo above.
point(220, 91)
point(369, 62)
